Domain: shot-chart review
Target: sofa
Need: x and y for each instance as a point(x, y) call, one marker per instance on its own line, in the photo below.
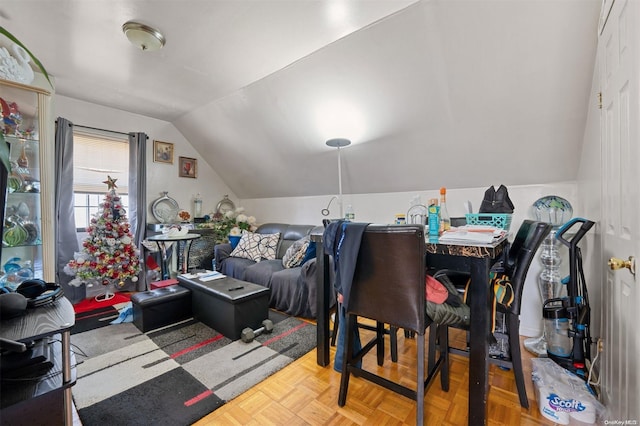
point(293, 288)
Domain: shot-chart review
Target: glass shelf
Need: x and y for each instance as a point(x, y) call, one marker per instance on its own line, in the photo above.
point(24, 242)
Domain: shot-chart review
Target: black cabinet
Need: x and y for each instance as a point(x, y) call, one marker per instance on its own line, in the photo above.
point(39, 395)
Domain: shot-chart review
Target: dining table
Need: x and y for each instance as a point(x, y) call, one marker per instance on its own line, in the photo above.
point(472, 257)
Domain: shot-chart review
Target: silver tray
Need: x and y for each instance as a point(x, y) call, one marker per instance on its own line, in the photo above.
point(165, 209)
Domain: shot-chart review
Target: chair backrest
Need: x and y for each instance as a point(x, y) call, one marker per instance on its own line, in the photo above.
point(520, 255)
point(389, 278)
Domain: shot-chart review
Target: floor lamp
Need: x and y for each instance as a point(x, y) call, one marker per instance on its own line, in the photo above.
point(339, 143)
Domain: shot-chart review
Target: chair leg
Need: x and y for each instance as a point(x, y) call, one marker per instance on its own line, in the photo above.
point(380, 342)
point(420, 381)
point(433, 346)
point(393, 343)
point(513, 324)
point(443, 345)
point(351, 322)
point(336, 322)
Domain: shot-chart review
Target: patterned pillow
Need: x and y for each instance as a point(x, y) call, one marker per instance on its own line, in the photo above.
point(254, 246)
point(269, 245)
point(296, 253)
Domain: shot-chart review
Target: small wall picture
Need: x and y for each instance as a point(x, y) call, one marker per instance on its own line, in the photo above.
point(162, 152)
point(188, 167)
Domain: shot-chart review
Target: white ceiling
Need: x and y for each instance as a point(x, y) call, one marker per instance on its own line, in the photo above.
point(443, 92)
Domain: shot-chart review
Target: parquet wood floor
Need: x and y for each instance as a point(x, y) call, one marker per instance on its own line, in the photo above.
point(304, 393)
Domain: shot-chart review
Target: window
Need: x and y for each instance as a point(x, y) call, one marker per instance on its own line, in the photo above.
point(96, 156)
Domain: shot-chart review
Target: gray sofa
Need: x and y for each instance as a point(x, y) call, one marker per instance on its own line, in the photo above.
point(293, 290)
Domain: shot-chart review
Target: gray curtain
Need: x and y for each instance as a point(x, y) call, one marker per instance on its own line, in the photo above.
point(66, 238)
point(138, 197)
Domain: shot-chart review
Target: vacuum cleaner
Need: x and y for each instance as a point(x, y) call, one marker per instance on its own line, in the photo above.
point(567, 319)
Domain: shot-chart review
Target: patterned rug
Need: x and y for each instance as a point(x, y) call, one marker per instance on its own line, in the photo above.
point(178, 374)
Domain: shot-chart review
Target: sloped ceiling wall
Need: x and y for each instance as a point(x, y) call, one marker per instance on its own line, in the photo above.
point(454, 93)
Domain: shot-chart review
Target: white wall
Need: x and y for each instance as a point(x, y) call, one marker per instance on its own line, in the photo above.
point(160, 176)
point(375, 208)
point(382, 208)
point(590, 196)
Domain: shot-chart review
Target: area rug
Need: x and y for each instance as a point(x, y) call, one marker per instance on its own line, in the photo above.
point(178, 374)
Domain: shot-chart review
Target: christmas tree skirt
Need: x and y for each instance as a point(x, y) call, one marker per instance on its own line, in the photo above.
point(91, 304)
point(177, 374)
point(91, 314)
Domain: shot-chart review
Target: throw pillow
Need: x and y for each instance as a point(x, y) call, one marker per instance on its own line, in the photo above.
point(310, 254)
point(257, 246)
point(296, 253)
point(248, 247)
point(269, 245)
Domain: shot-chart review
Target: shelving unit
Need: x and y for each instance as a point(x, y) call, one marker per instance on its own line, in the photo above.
point(29, 236)
point(28, 250)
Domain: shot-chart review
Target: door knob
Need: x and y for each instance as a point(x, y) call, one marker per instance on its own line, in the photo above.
point(615, 264)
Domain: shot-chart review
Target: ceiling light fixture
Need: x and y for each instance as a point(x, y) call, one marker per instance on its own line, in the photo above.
point(142, 36)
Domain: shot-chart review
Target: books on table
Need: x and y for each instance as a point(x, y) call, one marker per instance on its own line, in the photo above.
point(204, 276)
point(478, 234)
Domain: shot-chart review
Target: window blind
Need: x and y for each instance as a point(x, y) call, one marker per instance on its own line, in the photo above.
point(95, 157)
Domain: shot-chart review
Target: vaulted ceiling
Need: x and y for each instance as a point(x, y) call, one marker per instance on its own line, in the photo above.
point(461, 93)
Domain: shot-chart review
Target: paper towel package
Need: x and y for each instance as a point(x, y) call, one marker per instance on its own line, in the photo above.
point(563, 397)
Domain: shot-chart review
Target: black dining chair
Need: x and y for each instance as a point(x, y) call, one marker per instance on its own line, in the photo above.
point(516, 263)
point(392, 332)
point(388, 287)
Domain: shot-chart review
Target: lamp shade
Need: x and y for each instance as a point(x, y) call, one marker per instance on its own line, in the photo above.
point(338, 142)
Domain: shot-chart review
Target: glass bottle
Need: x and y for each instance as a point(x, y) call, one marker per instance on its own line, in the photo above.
point(349, 214)
point(23, 160)
point(445, 219)
point(197, 206)
point(433, 218)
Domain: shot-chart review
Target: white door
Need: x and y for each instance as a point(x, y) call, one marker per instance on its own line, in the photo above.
point(618, 48)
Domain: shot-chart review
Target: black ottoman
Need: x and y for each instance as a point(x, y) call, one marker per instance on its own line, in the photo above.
point(162, 306)
point(228, 305)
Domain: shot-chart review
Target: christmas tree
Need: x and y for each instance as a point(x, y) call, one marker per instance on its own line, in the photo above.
point(108, 254)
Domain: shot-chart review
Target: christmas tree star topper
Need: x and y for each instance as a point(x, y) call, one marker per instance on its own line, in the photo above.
point(111, 183)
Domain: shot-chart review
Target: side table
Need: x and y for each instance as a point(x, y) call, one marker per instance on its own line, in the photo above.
point(161, 241)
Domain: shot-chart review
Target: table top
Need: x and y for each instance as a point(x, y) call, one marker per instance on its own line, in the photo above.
point(46, 320)
point(225, 287)
point(166, 237)
point(467, 249)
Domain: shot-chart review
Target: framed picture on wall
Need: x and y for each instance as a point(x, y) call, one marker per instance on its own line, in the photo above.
point(162, 152)
point(188, 167)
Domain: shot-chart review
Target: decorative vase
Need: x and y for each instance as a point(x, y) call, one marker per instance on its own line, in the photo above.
point(234, 240)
